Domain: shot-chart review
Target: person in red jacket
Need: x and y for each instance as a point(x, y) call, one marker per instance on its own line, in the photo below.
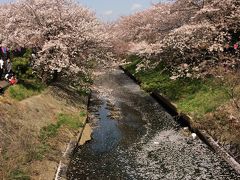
point(13, 80)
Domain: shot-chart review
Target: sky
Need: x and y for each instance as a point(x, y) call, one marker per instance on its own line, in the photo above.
point(110, 10)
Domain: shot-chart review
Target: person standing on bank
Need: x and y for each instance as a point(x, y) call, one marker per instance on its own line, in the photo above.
point(9, 66)
point(1, 68)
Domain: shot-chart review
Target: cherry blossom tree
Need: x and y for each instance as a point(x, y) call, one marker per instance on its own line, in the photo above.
point(201, 42)
point(189, 36)
point(66, 35)
point(150, 25)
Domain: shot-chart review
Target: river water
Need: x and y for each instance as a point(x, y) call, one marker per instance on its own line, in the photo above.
point(135, 138)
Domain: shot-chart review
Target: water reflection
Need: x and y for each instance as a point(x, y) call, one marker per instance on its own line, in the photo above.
point(106, 135)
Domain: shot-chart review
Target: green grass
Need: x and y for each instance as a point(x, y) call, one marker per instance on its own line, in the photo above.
point(48, 131)
point(132, 66)
point(19, 175)
point(38, 152)
point(41, 150)
point(70, 121)
point(84, 91)
point(193, 96)
point(202, 102)
point(25, 89)
point(82, 114)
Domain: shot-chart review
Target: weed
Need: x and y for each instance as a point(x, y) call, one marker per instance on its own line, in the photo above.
point(49, 131)
point(70, 121)
point(38, 152)
point(67, 120)
point(82, 114)
point(19, 175)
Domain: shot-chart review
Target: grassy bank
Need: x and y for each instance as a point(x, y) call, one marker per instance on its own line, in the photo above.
point(36, 126)
point(206, 100)
point(194, 96)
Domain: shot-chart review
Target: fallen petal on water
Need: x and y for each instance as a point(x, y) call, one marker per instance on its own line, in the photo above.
point(194, 135)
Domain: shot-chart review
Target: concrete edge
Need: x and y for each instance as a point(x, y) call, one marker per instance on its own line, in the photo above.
point(185, 120)
point(61, 172)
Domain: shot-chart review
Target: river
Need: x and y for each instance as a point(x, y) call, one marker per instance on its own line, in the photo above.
point(135, 138)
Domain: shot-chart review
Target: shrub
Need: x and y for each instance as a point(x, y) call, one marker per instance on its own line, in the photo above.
point(25, 90)
point(21, 66)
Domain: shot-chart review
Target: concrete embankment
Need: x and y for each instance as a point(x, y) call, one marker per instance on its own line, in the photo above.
point(84, 135)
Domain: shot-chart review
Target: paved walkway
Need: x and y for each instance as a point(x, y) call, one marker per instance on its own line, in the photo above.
point(4, 84)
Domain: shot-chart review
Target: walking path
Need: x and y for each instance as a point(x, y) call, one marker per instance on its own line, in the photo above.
point(4, 84)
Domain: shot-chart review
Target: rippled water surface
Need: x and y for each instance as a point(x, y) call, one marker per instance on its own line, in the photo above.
point(142, 141)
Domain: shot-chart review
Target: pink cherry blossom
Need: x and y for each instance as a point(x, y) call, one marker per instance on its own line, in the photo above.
point(183, 31)
point(66, 35)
